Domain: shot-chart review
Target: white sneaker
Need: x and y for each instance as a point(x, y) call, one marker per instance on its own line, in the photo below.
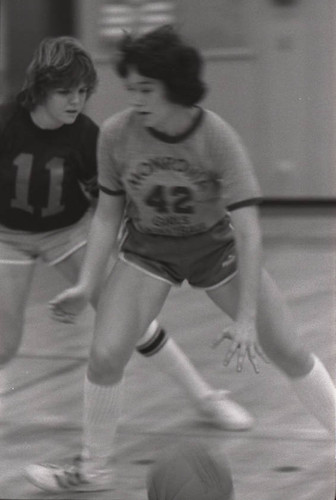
point(225, 413)
point(75, 477)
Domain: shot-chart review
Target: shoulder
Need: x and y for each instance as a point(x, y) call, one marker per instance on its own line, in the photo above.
point(115, 131)
point(215, 124)
point(84, 130)
point(86, 123)
point(118, 122)
point(221, 135)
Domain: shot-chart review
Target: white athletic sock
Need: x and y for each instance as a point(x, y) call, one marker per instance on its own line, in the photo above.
point(318, 393)
point(170, 359)
point(102, 409)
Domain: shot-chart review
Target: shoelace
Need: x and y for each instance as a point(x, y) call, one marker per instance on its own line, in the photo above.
point(69, 478)
point(72, 476)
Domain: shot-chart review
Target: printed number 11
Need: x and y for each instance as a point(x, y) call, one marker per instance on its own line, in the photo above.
point(24, 164)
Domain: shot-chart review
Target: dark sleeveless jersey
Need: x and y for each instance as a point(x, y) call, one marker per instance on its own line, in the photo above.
point(44, 173)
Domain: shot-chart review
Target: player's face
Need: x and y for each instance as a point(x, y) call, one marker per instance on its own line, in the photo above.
point(62, 106)
point(148, 98)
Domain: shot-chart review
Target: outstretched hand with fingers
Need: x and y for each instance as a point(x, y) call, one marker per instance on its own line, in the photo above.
point(68, 304)
point(243, 343)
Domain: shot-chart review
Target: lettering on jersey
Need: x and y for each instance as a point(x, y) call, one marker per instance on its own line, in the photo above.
point(206, 183)
point(150, 166)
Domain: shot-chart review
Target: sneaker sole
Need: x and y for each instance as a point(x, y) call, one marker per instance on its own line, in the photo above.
point(61, 489)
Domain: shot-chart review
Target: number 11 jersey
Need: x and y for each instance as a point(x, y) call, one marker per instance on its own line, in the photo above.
point(43, 172)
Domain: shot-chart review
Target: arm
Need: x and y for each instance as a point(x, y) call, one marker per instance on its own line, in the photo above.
point(243, 333)
point(241, 191)
point(101, 241)
point(102, 238)
point(248, 243)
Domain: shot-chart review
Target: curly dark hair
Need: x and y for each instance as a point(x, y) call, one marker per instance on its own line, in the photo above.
point(59, 62)
point(161, 54)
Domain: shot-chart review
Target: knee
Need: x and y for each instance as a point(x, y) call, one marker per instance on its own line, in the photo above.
point(106, 366)
point(10, 336)
point(294, 362)
point(8, 348)
point(299, 365)
point(6, 355)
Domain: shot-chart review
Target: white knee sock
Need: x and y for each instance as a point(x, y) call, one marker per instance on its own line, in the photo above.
point(318, 393)
point(102, 409)
point(170, 359)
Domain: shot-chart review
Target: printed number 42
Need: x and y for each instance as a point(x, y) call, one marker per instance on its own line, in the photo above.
point(176, 199)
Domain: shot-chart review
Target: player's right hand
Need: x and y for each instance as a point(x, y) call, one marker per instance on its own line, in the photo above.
point(68, 304)
point(244, 344)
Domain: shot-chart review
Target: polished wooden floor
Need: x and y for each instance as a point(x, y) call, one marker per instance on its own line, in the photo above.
point(286, 456)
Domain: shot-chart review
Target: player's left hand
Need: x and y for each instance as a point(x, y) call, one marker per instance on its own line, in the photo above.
point(243, 343)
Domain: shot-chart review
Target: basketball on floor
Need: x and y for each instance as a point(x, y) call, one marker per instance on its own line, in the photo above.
point(190, 471)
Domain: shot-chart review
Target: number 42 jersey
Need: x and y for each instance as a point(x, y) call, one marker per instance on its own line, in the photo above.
point(175, 185)
point(43, 172)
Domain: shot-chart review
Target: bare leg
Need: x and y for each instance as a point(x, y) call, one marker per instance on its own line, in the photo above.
point(128, 304)
point(214, 405)
point(278, 338)
point(15, 282)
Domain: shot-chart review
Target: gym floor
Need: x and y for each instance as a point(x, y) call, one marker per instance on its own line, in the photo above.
point(286, 455)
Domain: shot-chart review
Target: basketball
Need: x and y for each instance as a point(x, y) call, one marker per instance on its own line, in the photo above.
point(190, 471)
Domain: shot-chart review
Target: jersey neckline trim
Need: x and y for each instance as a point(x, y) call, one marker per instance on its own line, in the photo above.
point(173, 139)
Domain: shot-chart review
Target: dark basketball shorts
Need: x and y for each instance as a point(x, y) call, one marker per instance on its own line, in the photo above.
point(206, 260)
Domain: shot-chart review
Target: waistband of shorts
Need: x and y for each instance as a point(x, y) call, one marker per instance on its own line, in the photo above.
point(225, 221)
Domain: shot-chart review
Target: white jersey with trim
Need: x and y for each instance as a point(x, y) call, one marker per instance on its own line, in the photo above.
point(175, 186)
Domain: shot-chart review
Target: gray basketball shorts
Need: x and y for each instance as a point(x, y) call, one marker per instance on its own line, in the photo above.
point(205, 260)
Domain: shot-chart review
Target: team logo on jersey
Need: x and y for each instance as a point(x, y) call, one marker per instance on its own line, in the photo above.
point(168, 193)
point(207, 184)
